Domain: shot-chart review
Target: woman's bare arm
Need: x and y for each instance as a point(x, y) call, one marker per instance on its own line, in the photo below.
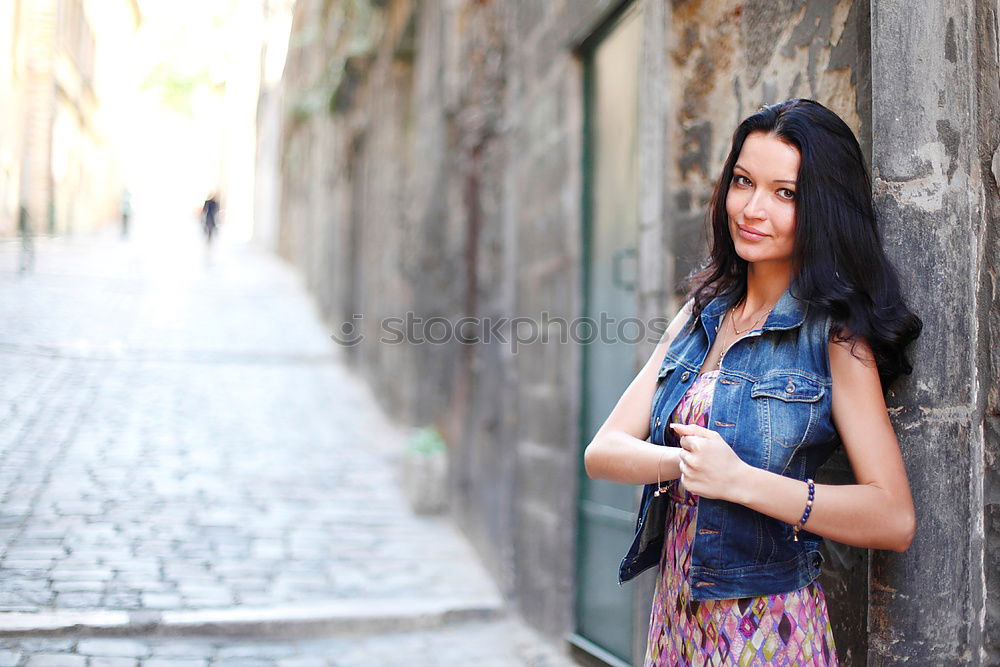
point(619, 451)
point(877, 512)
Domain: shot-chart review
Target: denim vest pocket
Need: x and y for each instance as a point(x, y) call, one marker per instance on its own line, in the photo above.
point(787, 405)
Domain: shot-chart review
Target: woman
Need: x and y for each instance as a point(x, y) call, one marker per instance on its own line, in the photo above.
point(794, 330)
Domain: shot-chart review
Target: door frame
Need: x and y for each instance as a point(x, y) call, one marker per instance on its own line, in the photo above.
point(582, 648)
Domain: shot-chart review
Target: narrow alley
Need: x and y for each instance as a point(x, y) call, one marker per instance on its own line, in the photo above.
point(182, 482)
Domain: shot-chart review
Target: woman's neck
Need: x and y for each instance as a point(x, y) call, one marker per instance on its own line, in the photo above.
point(766, 282)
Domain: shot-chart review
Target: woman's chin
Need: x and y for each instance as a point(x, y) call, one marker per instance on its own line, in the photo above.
point(761, 258)
point(750, 254)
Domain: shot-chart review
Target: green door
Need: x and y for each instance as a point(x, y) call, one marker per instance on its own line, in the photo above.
point(606, 518)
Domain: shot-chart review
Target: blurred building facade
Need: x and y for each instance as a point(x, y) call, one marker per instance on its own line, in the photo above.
point(58, 170)
point(486, 159)
point(12, 91)
point(276, 18)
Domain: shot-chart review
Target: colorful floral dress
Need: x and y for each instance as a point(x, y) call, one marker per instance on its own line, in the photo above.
point(786, 629)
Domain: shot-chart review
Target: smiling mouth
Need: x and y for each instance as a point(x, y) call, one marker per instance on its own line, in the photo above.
point(746, 232)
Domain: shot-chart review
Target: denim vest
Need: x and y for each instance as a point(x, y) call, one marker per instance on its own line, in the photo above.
point(771, 403)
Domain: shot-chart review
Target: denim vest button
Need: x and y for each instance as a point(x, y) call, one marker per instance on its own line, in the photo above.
point(790, 387)
point(684, 376)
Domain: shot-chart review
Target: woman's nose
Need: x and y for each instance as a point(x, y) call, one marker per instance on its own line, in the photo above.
point(755, 206)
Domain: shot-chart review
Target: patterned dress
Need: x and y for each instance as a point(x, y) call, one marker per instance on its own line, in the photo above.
point(786, 629)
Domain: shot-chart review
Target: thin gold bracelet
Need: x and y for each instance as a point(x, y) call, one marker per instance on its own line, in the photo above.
point(659, 485)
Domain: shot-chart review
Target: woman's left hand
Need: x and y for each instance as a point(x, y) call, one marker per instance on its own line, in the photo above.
point(709, 466)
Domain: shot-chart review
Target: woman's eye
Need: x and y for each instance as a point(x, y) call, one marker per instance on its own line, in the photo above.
point(789, 194)
point(738, 179)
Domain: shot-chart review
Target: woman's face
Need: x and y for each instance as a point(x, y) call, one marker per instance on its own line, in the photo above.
point(761, 199)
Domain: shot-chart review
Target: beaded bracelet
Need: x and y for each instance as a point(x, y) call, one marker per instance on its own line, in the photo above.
point(809, 506)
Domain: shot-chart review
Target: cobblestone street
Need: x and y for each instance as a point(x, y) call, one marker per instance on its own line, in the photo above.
point(186, 462)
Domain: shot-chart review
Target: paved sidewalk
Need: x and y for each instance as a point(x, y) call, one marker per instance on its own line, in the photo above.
point(182, 451)
point(498, 643)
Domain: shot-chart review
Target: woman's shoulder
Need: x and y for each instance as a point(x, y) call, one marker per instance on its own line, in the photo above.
point(676, 328)
point(847, 347)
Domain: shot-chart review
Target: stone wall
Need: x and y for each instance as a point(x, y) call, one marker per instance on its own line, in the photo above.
point(985, 49)
point(937, 132)
point(431, 165)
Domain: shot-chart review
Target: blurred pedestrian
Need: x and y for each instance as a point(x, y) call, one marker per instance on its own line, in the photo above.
point(126, 208)
point(209, 217)
point(26, 256)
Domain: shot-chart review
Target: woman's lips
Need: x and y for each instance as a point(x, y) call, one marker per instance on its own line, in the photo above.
point(749, 235)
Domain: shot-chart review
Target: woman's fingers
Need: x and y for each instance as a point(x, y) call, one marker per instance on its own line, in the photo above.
point(690, 442)
point(688, 460)
point(690, 429)
point(693, 437)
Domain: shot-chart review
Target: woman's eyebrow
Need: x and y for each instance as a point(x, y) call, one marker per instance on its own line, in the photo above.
point(777, 180)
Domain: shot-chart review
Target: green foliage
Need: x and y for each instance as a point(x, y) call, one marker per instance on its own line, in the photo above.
point(427, 441)
point(176, 88)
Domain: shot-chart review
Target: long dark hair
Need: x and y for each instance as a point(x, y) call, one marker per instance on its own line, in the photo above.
point(839, 264)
